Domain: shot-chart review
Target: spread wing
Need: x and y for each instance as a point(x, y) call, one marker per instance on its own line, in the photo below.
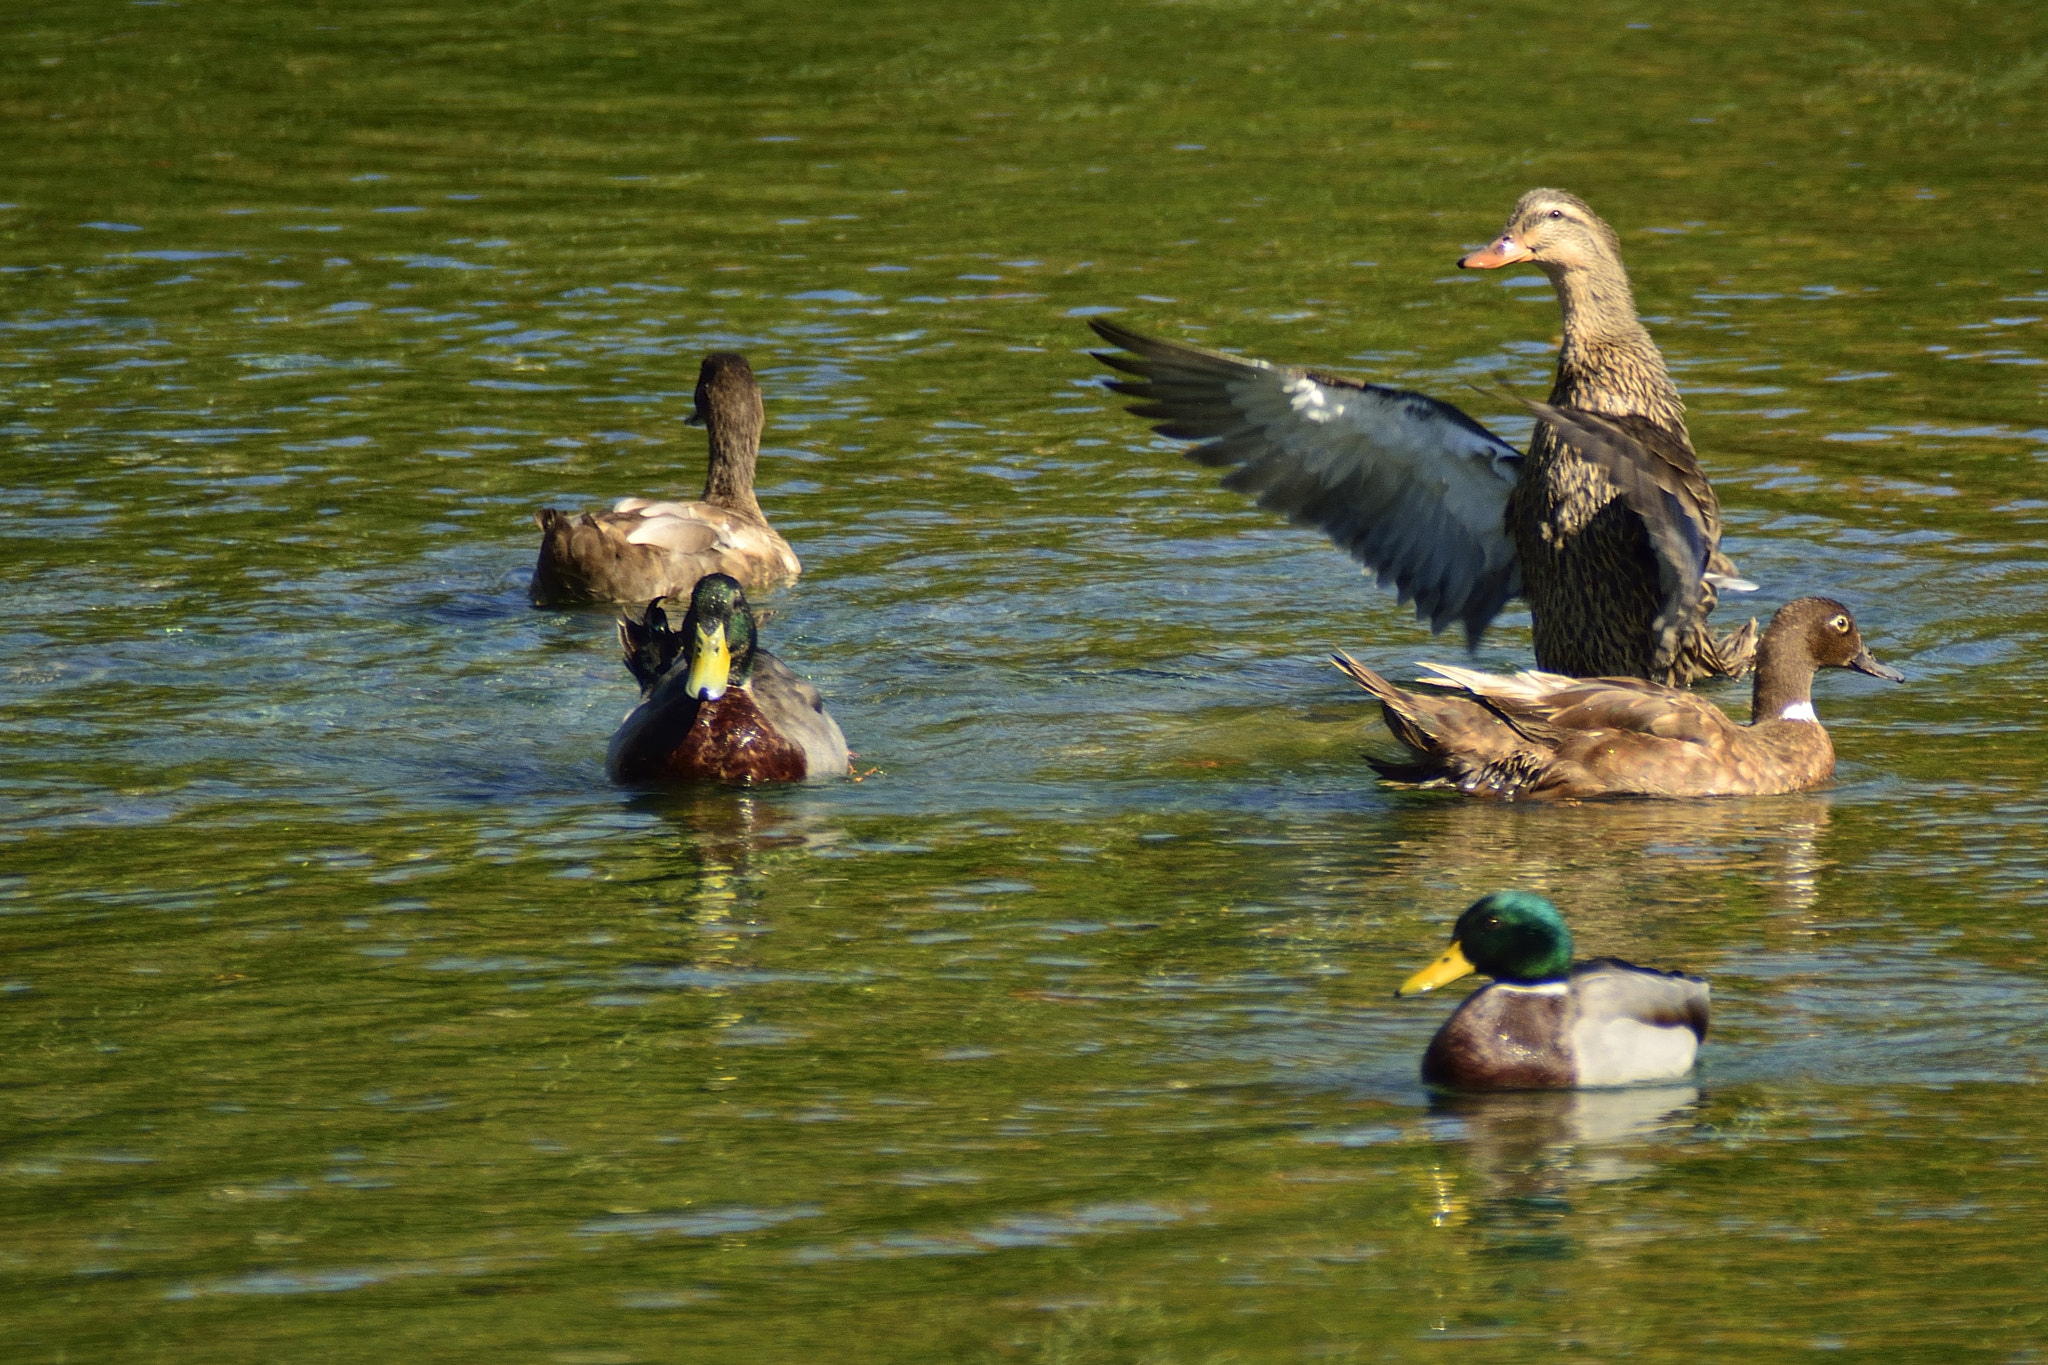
point(1410, 487)
point(1659, 477)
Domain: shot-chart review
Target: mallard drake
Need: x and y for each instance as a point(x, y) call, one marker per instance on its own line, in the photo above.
point(1547, 1023)
point(1607, 526)
point(1543, 737)
point(643, 549)
point(716, 705)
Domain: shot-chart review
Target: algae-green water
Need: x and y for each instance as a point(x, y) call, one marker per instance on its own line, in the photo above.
point(347, 1012)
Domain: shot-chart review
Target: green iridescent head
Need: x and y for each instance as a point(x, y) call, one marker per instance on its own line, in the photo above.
point(718, 638)
point(1514, 936)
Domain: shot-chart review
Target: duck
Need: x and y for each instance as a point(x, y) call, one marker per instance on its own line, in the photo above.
point(1546, 1022)
point(1606, 524)
point(1545, 737)
point(644, 548)
point(714, 704)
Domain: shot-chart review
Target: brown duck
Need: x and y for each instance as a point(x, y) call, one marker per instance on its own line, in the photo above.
point(1607, 525)
point(643, 549)
point(1543, 737)
point(714, 706)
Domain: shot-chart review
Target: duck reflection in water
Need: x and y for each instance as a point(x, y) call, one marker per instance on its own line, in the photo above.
point(1513, 1159)
point(1773, 851)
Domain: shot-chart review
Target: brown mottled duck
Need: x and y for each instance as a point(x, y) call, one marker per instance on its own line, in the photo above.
point(643, 549)
point(1607, 526)
point(714, 705)
point(1544, 737)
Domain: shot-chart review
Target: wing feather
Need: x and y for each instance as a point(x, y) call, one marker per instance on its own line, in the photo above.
point(1411, 488)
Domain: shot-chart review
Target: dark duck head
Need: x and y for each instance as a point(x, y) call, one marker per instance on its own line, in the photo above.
point(1513, 936)
point(715, 646)
point(1807, 635)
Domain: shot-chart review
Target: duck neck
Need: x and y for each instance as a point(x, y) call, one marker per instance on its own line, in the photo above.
point(1784, 683)
point(1608, 364)
point(729, 476)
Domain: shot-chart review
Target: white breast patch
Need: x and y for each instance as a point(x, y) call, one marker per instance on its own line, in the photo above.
point(1799, 710)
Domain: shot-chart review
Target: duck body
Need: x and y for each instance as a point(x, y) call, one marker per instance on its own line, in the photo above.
point(1607, 525)
point(1545, 737)
point(644, 548)
point(1546, 1023)
point(714, 706)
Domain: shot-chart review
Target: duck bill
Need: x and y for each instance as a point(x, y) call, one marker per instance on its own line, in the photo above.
point(711, 669)
point(1502, 250)
point(1441, 972)
point(1866, 662)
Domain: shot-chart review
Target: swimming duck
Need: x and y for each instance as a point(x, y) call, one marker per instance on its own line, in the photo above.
point(714, 704)
point(1547, 1023)
point(1607, 525)
point(1543, 737)
point(643, 549)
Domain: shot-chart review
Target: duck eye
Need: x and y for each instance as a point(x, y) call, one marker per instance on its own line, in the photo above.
point(1557, 213)
point(1840, 623)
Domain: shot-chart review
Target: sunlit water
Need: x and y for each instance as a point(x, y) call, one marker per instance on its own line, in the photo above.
point(350, 1014)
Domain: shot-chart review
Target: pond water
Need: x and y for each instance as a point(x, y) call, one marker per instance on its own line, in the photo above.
point(350, 1014)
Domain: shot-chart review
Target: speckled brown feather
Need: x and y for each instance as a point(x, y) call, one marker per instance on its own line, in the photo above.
point(1589, 569)
point(1545, 737)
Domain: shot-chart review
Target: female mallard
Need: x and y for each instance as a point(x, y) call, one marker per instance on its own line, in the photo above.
point(713, 705)
point(642, 549)
point(1608, 527)
point(1547, 1023)
point(1541, 737)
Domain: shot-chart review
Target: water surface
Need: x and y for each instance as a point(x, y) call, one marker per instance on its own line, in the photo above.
point(351, 1013)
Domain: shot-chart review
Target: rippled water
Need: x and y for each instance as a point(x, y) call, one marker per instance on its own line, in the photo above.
point(351, 1013)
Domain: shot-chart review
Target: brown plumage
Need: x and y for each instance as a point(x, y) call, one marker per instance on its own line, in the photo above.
point(1543, 737)
point(1607, 526)
point(643, 549)
point(1576, 534)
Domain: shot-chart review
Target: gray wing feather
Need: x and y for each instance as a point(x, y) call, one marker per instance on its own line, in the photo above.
point(1411, 488)
point(1622, 990)
point(798, 711)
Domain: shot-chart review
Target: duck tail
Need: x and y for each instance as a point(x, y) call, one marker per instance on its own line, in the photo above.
point(649, 646)
point(1409, 722)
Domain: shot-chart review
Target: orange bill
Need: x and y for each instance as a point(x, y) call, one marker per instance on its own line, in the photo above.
point(1503, 250)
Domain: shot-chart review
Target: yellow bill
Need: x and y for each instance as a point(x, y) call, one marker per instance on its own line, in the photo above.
point(1441, 972)
point(711, 669)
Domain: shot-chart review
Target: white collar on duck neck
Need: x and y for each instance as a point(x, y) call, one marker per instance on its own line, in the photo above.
point(1799, 710)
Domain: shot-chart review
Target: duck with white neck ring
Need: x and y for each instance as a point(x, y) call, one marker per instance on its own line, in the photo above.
point(714, 705)
point(1546, 1022)
point(1542, 737)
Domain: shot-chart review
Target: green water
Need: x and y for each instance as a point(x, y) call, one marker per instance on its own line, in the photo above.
point(348, 1014)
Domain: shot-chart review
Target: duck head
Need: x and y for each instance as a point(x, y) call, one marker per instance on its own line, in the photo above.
point(728, 396)
point(1808, 634)
point(1552, 230)
point(718, 638)
point(1514, 936)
